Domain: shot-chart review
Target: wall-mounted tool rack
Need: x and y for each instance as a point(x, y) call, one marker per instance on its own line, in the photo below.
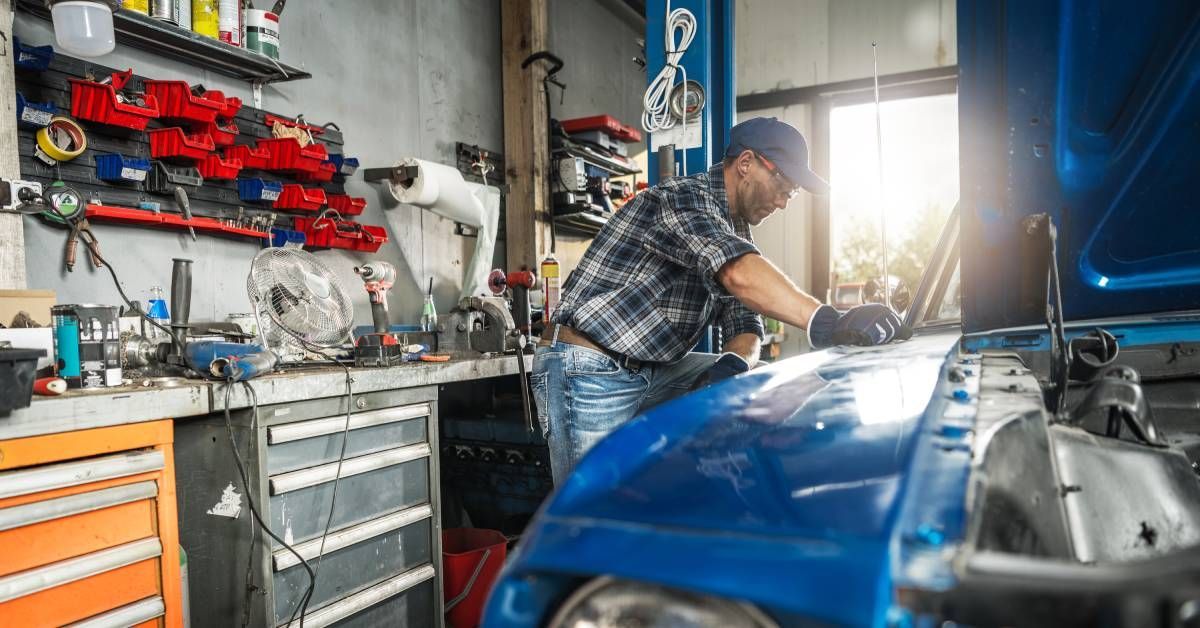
point(180, 152)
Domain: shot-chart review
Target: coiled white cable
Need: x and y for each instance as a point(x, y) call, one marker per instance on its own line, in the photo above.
point(656, 107)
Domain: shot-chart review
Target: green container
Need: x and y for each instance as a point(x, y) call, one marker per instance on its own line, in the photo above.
point(262, 33)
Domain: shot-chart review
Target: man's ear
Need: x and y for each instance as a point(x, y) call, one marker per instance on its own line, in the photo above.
point(743, 162)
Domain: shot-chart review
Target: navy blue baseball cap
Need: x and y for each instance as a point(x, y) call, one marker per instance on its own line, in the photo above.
point(782, 145)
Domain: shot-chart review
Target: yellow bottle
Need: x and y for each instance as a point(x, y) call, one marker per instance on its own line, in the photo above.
point(205, 18)
point(136, 6)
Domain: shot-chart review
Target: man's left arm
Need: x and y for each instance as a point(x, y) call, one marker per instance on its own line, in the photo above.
point(741, 331)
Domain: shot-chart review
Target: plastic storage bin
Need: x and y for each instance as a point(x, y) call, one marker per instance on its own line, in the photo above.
point(18, 370)
point(172, 143)
point(252, 158)
point(164, 179)
point(213, 167)
point(34, 58)
point(34, 115)
point(300, 198)
point(346, 166)
point(253, 190)
point(122, 169)
point(221, 134)
point(472, 559)
point(177, 102)
point(286, 155)
point(329, 233)
point(323, 174)
point(282, 237)
point(347, 205)
point(232, 103)
point(98, 102)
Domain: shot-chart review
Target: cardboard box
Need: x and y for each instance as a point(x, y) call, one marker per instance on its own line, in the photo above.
point(36, 302)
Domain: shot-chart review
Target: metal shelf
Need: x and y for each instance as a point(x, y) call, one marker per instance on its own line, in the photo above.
point(168, 40)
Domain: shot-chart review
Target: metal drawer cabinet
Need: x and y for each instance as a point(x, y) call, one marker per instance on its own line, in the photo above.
point(89, 540)
point(382, 559)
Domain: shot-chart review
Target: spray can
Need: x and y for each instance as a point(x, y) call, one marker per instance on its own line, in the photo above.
point(206, 18)
point(183, 13)
point(550, 286)
point(262, 33)
point(163, 10)
point(87, 345)
point(136, 6)
point(230, 22)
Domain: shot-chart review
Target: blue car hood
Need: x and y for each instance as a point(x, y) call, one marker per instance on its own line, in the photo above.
point(782, 486)
point(1086, 111)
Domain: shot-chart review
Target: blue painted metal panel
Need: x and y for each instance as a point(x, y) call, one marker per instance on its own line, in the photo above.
point(709, 60)
point(1084, 110)
point(782, 487)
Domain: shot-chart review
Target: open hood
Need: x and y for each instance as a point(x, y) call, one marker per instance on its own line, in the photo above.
point(1089, 112)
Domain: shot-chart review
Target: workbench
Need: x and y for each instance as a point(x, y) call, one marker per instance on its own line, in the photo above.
point(381, 561)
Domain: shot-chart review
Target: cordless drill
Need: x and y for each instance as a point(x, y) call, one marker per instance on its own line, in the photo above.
point(380, 347)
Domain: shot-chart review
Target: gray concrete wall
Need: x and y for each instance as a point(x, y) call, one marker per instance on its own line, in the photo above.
point(400, 77)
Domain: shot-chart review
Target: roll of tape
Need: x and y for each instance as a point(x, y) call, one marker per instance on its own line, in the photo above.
point(62, 140)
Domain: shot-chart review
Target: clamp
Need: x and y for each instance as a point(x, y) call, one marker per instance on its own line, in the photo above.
point(61, 140)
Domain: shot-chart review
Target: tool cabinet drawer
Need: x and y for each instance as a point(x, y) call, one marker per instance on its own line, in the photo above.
point(370, 486)
point(140, 614)
point(82, 587)
point(303, 444)
point(405, 601)
point(46, 531)
point(355, 559)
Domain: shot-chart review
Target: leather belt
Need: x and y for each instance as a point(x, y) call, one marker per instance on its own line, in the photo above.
point(575, 337)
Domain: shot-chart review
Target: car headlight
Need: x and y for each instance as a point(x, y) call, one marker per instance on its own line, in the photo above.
point(609, 603)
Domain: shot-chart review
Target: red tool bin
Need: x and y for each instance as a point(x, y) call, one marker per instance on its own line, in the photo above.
point(221, 134)
point(347, 205)
point(324, 173)
point(324, 232)
point(213, 167)
point(171, 143)
point(286, 155)
point(251, 158)
point(270, 120)
point(607, 124)
point(232, 103)
point(177, 102)
point(98, 102)
point(300, 198)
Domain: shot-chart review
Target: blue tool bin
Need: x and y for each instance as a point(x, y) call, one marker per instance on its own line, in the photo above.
point(346, 166)
point(259, 191)
point(34, 114)
point(280, 237)
point(121, 169)
point(35, 58)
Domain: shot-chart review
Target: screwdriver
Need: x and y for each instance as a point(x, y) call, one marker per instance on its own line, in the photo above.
point(181, 197)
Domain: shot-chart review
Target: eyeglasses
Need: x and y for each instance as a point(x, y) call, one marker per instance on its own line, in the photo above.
point(782, 184)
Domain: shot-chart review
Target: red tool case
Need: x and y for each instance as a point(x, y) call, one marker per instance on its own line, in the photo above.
point(607, 124)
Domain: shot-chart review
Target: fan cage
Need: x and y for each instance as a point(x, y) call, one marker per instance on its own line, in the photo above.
point(298, 301)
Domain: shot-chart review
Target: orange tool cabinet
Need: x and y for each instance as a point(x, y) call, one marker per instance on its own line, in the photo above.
point(88, 528)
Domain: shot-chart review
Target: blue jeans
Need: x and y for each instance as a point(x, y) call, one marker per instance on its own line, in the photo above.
point(583, 394)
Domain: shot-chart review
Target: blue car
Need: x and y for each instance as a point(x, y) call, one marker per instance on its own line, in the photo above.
point(1028, 458)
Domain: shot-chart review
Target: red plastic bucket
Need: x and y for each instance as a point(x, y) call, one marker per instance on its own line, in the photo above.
point(470, 554)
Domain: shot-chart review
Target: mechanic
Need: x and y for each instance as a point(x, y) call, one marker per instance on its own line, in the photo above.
point(675, 259)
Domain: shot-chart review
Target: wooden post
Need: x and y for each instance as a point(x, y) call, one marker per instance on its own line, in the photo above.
point(526, 139)
point(12, 237)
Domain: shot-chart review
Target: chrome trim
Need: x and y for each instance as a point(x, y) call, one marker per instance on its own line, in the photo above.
point(128, 615)
point(284, 559)
point(70, 570)
point(81, 472)
point(304, 478)
point(289, 432)
point(59, 507)
point(348, 606)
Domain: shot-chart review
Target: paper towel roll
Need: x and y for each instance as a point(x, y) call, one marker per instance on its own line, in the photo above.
point(442, 190)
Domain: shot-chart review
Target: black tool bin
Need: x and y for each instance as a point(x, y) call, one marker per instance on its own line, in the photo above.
point(18, 369)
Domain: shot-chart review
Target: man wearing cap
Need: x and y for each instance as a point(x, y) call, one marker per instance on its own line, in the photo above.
point(675, 259)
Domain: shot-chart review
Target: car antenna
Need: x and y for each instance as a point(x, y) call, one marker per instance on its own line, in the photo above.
point(887, 279)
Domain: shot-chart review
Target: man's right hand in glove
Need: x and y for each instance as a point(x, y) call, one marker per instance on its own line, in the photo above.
point(863, 325)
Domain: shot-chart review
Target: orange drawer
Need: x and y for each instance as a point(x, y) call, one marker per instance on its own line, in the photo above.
point(80, 588)
point(74, 535)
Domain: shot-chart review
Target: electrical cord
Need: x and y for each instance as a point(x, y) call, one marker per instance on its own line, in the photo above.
point(656, 103)
point(241, 466)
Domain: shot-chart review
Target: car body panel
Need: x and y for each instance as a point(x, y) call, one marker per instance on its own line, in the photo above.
point(1085, 111)
point(731, 490)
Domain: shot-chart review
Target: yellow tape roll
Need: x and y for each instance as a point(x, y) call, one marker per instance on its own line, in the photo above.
point(62, 140)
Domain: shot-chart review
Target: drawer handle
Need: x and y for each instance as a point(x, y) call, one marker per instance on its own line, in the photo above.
point(304, 478)
point(348, 606)
point(128, 615)
point(284, 559)
point(75, 473)
point(277, 434)
point(60, 507)
point(70, 570)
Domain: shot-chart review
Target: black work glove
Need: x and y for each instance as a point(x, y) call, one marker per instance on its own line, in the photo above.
point(726, 366)
point(863, 325)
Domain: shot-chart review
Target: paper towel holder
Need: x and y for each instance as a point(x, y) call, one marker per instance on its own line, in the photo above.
point(403, 176)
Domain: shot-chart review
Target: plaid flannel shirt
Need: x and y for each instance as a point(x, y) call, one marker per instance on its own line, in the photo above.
point(646, 287)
